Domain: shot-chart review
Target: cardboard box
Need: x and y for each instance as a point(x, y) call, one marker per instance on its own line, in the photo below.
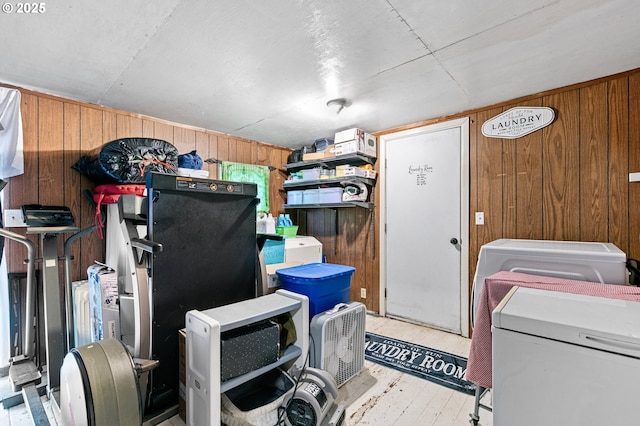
point(312, 156)
point(348, 135)
point(358, 171)
point(355, 171)
point(355, 147)
point(355, 141)
point(327, 153)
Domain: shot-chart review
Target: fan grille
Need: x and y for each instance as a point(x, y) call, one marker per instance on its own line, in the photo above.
point(342, 343)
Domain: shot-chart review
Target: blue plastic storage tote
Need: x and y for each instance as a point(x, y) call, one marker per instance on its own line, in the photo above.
point(325, 284)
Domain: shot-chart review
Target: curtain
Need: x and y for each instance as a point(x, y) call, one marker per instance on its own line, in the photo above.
point(252, 173)
point(11, 142)
point(11, 164)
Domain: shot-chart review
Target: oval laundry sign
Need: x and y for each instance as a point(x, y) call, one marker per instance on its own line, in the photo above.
point(518, 122)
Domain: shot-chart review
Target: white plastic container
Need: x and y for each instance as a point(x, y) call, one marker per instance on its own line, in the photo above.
point(261, 223)
point(271, 224)
point(574, 260)
point(294, 197)
point(330, 195)
point(302, 250)
point(311, 196)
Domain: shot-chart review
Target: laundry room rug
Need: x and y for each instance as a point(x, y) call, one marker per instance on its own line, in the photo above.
point(430, 364)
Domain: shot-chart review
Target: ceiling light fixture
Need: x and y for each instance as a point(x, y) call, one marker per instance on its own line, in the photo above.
point(338, 104)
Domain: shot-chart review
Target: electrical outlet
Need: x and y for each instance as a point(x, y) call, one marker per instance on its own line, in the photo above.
point(479, 218)
point(13, 219)
point(363, 293)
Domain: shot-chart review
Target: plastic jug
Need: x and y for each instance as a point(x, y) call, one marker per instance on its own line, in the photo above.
point(271, 224)
point(261, 223)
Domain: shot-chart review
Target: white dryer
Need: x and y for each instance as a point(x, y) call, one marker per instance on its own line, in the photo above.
point(574, 260)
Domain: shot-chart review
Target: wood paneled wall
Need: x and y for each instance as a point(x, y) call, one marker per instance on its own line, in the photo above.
point(58, 131)
point(348, 238)
point(568, 181)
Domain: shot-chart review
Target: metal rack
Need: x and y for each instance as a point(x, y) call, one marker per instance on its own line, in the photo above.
point(331, 161)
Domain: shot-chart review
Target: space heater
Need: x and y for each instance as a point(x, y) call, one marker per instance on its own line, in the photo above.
point(338, 341)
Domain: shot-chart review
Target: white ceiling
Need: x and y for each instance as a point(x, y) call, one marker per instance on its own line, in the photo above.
point(264, 69)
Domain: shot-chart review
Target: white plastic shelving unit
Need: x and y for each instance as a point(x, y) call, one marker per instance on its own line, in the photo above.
point(202, 355)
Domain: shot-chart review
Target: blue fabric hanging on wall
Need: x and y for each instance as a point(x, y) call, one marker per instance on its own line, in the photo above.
point(252, 173)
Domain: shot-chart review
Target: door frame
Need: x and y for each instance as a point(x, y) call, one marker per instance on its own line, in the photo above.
point(463, 124)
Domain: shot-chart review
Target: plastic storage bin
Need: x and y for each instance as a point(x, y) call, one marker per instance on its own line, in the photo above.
point(311, 196)
point(325, 284)
point(294, 197)
point(311, 174)
point(330, 195)
point(287, 231)
point(273, 251)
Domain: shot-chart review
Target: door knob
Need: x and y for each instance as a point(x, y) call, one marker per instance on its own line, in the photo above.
point(454, 241)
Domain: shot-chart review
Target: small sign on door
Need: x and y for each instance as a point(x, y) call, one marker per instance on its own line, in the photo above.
point(420, 173)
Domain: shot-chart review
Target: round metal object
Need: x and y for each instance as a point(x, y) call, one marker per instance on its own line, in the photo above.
point(99, 386)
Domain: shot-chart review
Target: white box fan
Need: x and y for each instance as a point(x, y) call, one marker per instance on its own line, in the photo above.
point(337, 341)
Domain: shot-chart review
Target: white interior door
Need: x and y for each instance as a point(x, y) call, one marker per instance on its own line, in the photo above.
point(425, 210)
